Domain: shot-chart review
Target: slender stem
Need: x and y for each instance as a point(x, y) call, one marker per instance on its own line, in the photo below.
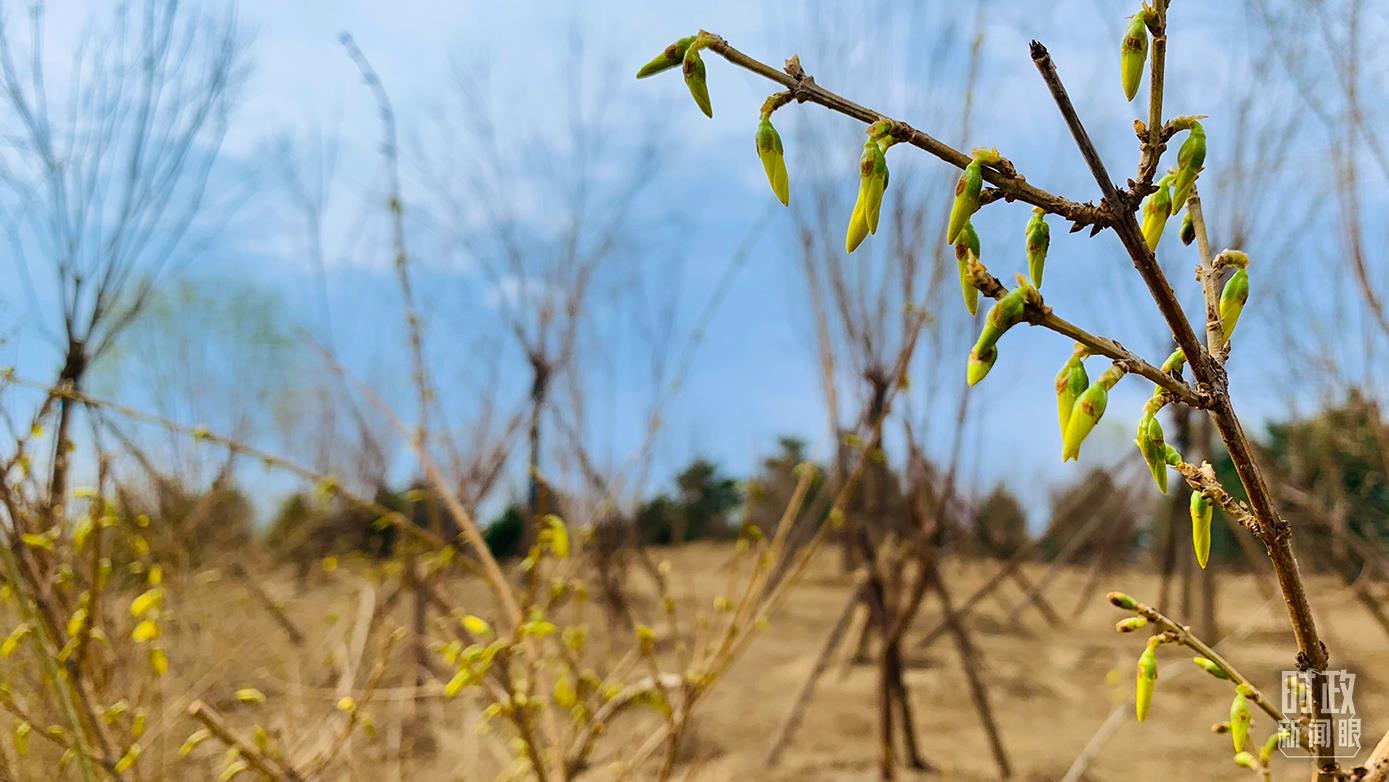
point(1011, 185)
point(1210, 276)
point(1182, 634)
point(1042, 315)
point(265, 764)
point(1157, 26)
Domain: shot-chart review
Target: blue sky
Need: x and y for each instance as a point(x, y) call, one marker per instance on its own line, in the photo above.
point(754, 376)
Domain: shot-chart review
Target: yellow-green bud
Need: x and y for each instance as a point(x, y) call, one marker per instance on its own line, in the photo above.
point(1202, 509)
point(1147, 679)
point(858, 226)
point(1188, 234)
point(1006, 313)
point(1266, 754)
point(1245, 760)
point(979, 365)
point(1151, 444)
point(773, 160)
point(966, 199)
point(671, 57)
point(1190, 158)
point(1071, 382)
point(872, 182)
point(1121, 600)
point(1156, 212)
point(1134, 53)
point(967, 243)
point(693, 68)
point(1130, 624)
point(1232, 300)
point(1038, 235)
point(1210, 666)
point(1085, 414)
point(1240, 718)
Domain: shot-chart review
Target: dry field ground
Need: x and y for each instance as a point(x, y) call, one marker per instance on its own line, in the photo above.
point(1052, 687)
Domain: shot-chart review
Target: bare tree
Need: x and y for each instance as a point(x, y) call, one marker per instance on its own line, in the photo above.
point(538, 209)
point(106, 182)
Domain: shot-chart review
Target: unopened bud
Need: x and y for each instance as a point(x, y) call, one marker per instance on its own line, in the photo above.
point(1245, 760)
point(1270, 744)
point(858, 227)
point(1240, 718)
point(1211, 667)
point(1147, 680)
point(1190, 158)
point(1038, 241)
point(1155, 214)
point(1154, 449)
point(773, 160)
point(1232, 300)
point(1130, 624)
point(1134, 53)
point(872, 182)
point(966, 199)
point(1088, 409)
point(1122, 600)
point(1201, 510)
point(967, 244)
point(693, 68)
point(1006, 313)
point(1071, 382)
point(671, 57)
point(1188, 234)
point(979, 365)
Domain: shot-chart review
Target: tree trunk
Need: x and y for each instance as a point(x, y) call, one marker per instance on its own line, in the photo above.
point(69, 380)
point(537, 503)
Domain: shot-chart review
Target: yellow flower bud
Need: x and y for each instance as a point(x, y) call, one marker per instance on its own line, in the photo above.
point(1201, 512)
point(1155, 214)
point(979, 365)
point(1006, 313)
point(1121, 600)
point(1240, 719)
point(1190, 158)
point(1245, 760)
point(1130, 624)
point(693, 67)
point(967, 191)
point(1086, 412)
point(967, 245)
point(773, 160)
point(872, 182)
point(858, 227)
point(1134, 53)
point(1147, 679)
point(1154, 449)
point(1038, 240)
point(671, 57)
point(1232, 299)
point(1071, 382)
point(1210, 666)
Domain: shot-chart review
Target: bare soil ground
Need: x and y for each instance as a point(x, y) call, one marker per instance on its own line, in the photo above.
point(1051, 687)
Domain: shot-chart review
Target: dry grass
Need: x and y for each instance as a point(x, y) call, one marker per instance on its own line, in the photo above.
point(1054, 686)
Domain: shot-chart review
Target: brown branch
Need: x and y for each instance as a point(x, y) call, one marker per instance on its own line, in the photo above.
point(1011, 185)
point(1042, 315)
point(1312, 653)
point(274, 769)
